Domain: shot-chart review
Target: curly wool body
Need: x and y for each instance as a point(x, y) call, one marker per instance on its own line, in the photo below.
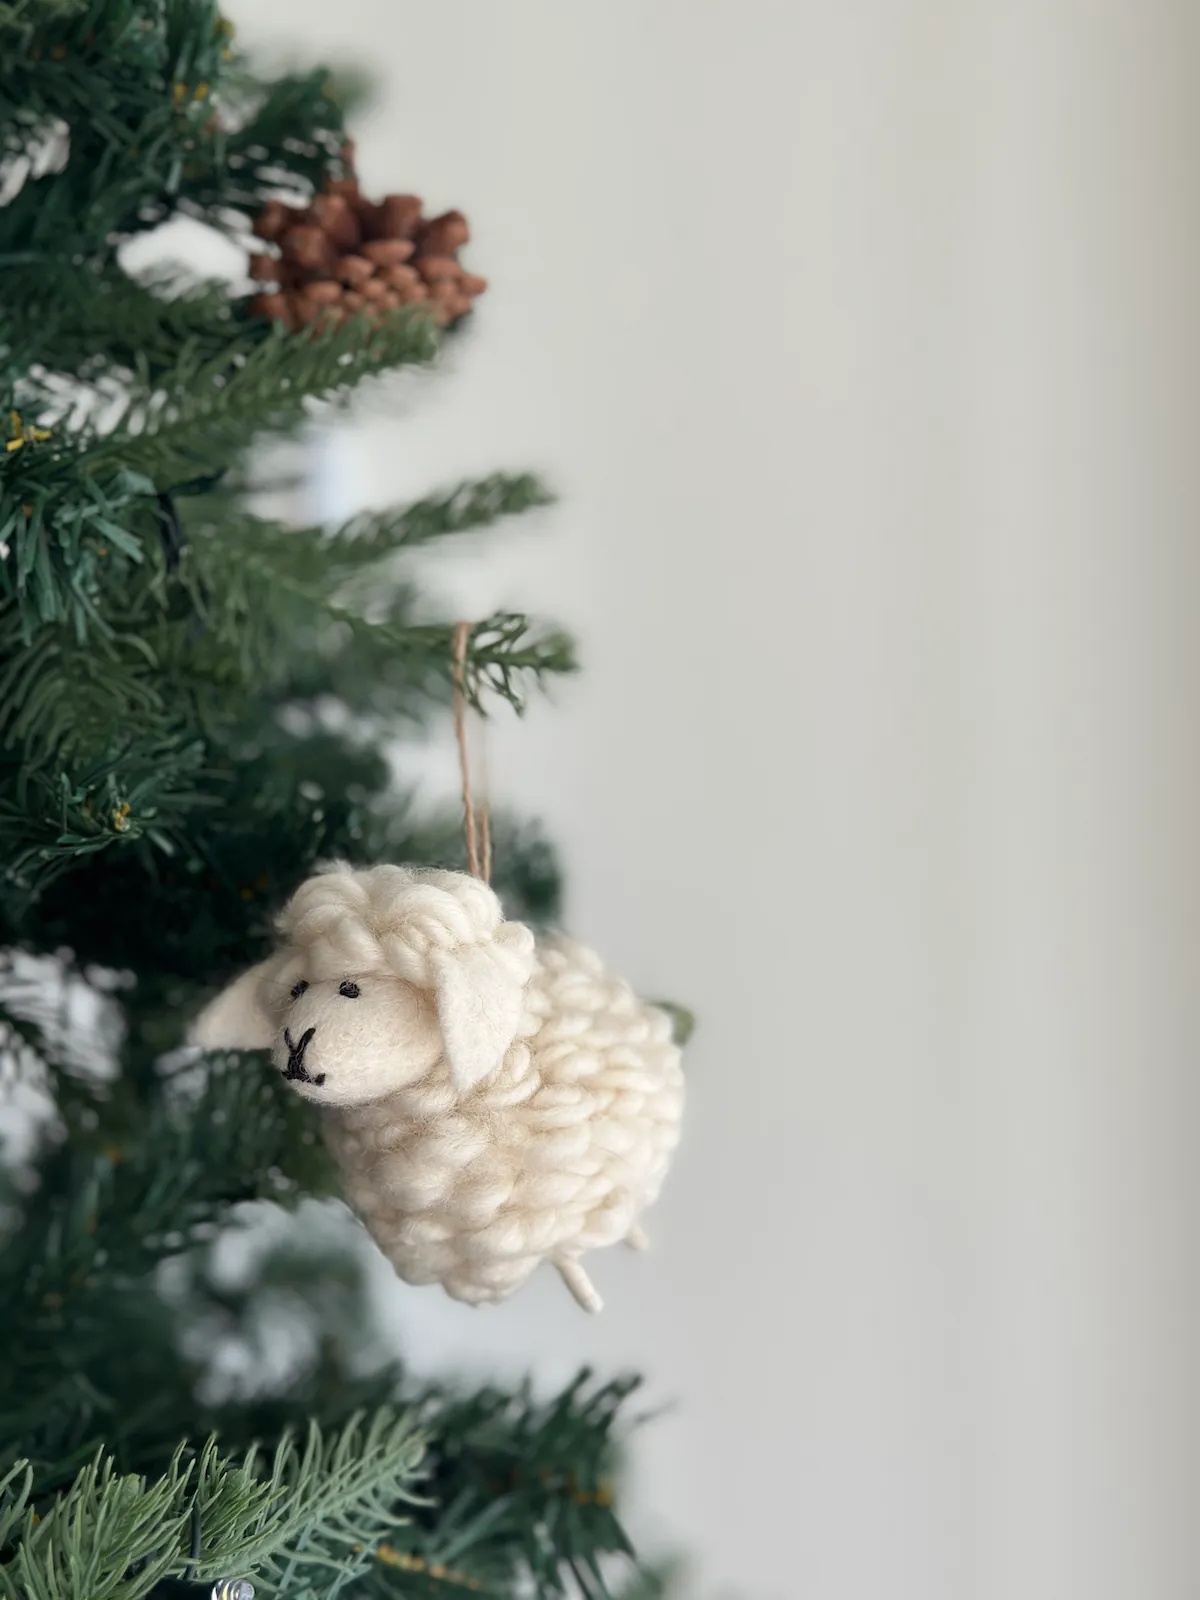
point(553, 1155)
point(492, 1102)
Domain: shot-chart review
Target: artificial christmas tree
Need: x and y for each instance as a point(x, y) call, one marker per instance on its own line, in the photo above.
point(192, 701)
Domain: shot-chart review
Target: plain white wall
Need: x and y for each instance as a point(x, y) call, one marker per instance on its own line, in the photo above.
point(862, 342)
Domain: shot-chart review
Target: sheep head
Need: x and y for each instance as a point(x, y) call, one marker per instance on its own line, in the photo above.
point(380, 973)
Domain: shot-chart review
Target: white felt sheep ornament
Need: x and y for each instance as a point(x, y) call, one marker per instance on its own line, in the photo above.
point(492, 1100)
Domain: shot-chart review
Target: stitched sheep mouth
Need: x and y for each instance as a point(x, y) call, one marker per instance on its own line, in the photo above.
point(296, 1071)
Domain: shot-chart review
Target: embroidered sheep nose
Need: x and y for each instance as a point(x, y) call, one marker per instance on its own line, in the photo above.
point(295, 1068)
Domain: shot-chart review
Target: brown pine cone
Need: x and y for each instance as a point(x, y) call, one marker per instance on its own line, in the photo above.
point(449, 298)
point(399, 277)
point(354, 270)
point(343, 254)
point(444, 235)
point(314, 304)
point(333, 215)
point(308, 247)
point(387, 252)
point(438, 269)
point(399, 216)
point(270, 221)
point(370, 217)
point(323, 293)
point(304, 311)
point(266, 269)
point(274, 306)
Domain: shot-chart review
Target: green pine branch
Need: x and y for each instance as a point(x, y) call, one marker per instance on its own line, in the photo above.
point(98, 323)
point(86, 1545)
point(67, 532)
point(150, 1168)
point(147, 1180)
point(81, 505)
point(280, 598)
point(209, 409)
point(523, 1490)
point(52, 816)
point(205, 912)
point(474, 504)
point(320, 1506)
point(162, 115)
point(80, 508)
point(71, 786)
point(322, 1546)
point(24, 1038)
point(254, 613)
point(60, 697)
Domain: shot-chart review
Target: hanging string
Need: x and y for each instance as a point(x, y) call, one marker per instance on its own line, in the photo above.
point(485, 813)
point(477, 829)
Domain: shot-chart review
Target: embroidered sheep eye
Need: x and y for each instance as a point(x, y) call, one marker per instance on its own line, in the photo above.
point(350, 990)
point(299, 988)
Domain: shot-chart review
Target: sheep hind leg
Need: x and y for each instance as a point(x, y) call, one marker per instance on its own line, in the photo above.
point(578, 1282)
point(636, 1238)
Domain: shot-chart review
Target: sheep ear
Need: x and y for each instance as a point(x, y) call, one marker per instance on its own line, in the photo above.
point(237, 1019)
point(480, 992)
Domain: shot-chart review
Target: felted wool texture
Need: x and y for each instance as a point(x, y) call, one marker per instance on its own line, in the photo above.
point(493, 1101)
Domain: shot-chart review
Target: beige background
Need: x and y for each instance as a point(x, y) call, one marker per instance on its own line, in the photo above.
point(861, 340)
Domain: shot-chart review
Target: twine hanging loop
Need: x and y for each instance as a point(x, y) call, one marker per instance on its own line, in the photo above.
point(477, 822)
